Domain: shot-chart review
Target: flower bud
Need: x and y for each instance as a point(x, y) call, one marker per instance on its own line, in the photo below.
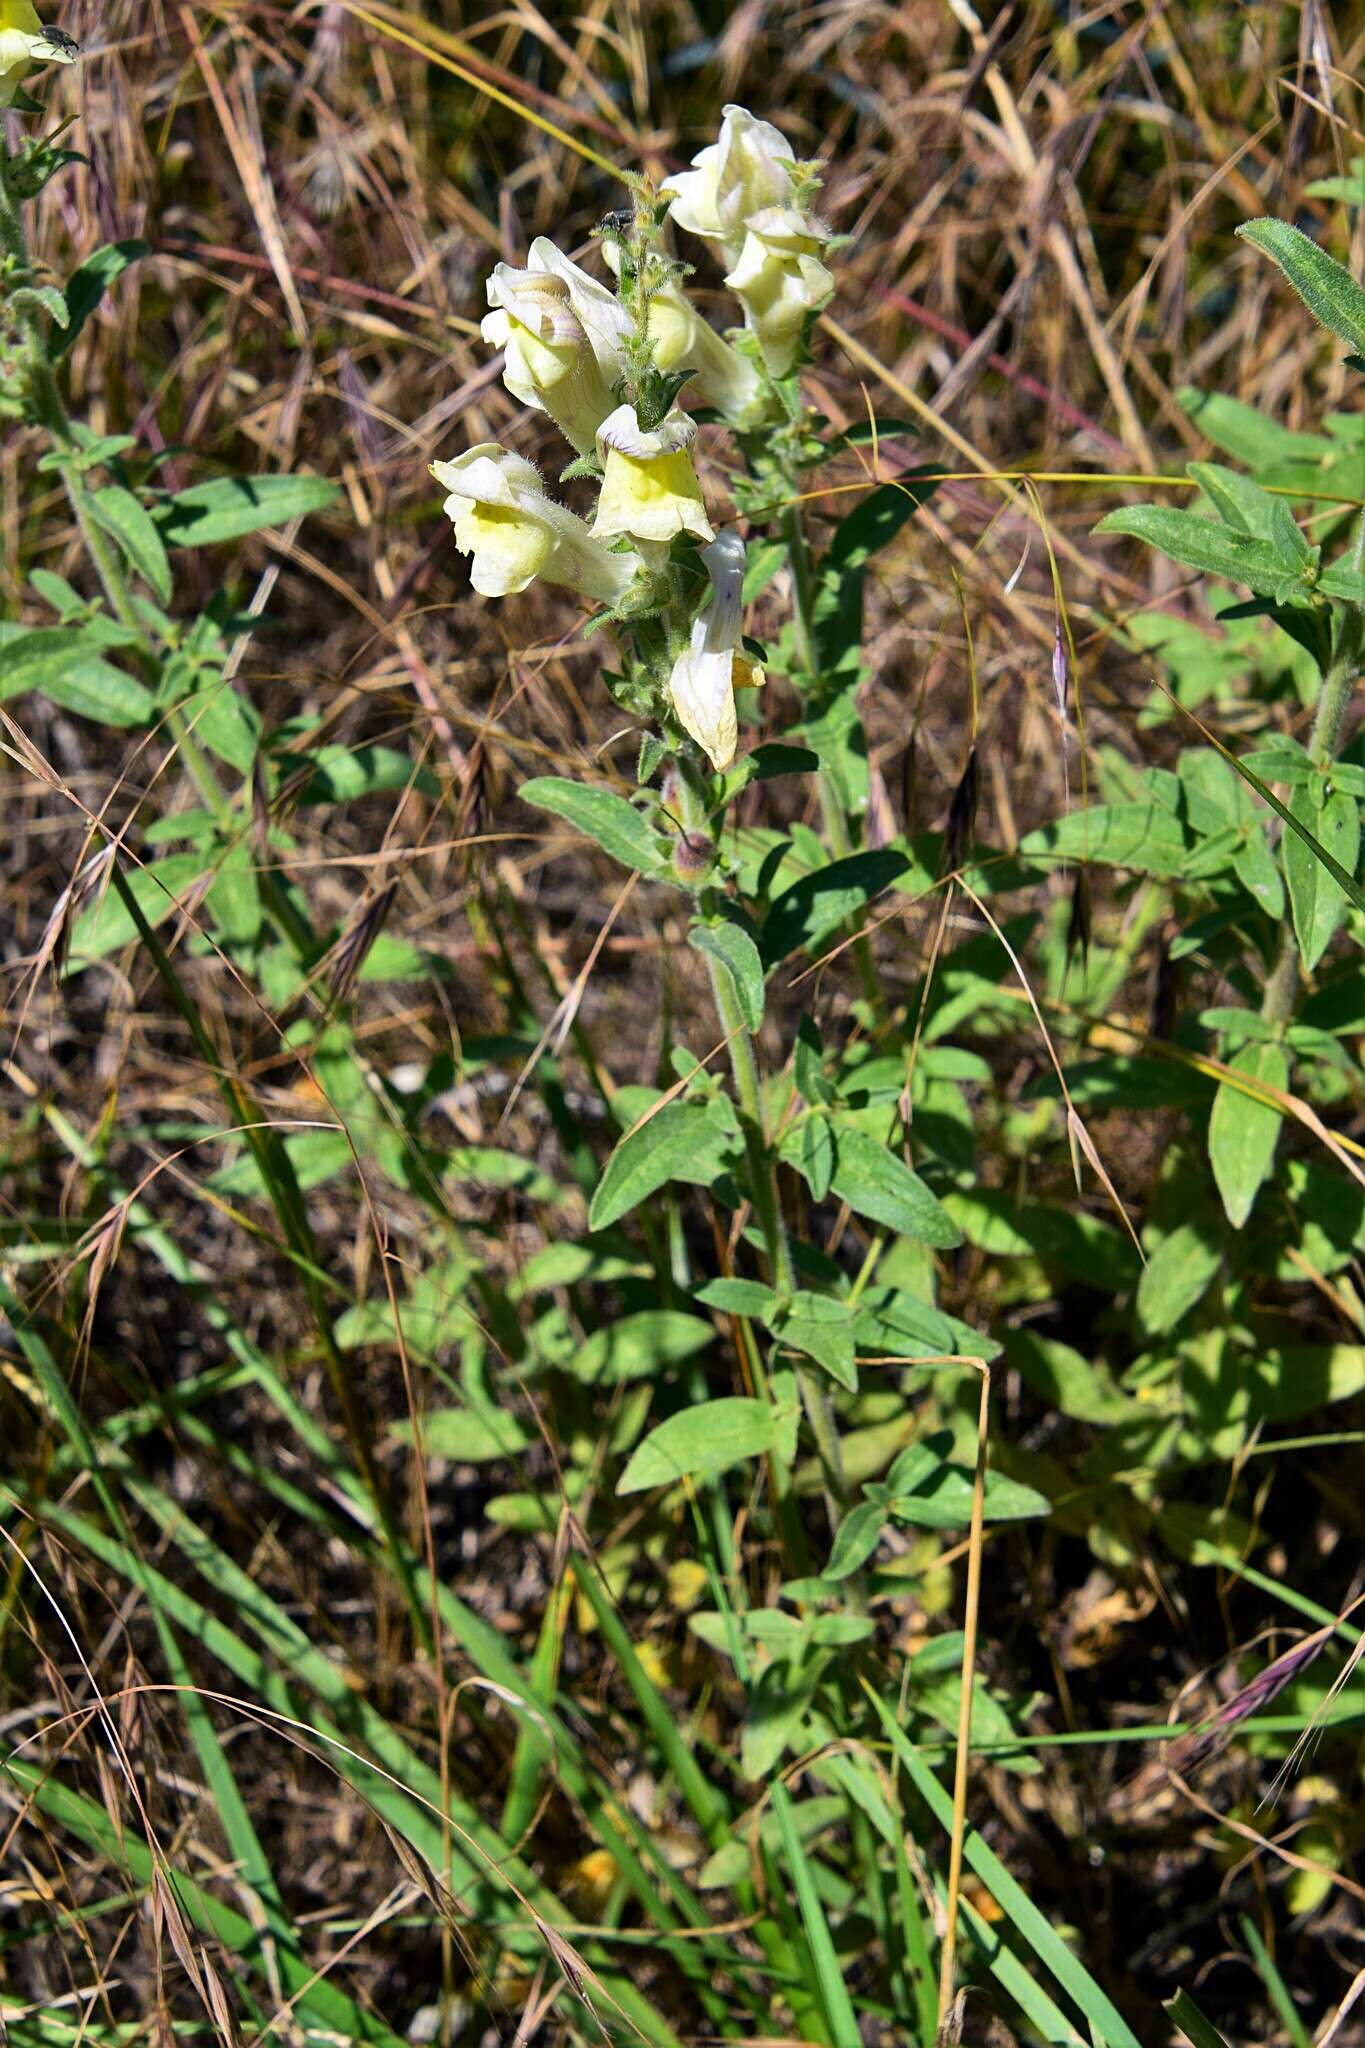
point(649, 486)
point(721, 376)
point(502, 517)
point(23, 41)
point(779, 279)
point(693, 854)
point(748, 170)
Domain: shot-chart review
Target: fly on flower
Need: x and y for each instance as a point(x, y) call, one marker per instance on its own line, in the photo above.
point(24, 42)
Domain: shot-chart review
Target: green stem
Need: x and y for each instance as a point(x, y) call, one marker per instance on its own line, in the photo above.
point(1281, 990)
point(768, 1209)
point(762, 1173)
point(51, 413)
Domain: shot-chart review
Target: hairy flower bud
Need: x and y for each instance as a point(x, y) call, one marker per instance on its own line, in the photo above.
point(693, 854)
point(649, 485)
point(502, 517)
point(779, 279)
point(24, 41)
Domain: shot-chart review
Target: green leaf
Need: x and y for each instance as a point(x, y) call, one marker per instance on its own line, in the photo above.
point(1317, 900)
point(819, 903)
point(343, 773)
point(233, 902)
point(64, 663)
point(1254, 866)
point(879, 1185)
point(105, 925)
point(1212, 548)
point(87, 286)
point(120, 514)
point(681, 1141)
point(599, 814)
point(469, 1435)
point(702, 1442)
point(1243, 1132)
point(923, 1489)
point(822, 1328)
point(1175, 1276)
point(1350, 190)
point(1250, 436)
point(231, 506)
point(1186, 2016)
point(736, 1297)
point(1328, 290)
point(1143, 836)
point(809, 1147)
point(1344, 877)
point(641, 1346)
point(1241, 503)
point(855, 1539)
point(731, 945)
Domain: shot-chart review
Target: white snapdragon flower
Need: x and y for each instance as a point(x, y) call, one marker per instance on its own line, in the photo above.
point(563, 335)
point(779, 278)
point(650, 489)
point(23, 41)
point(600, 313)
point(706, 675)
point(748, 170)
point(502, 517)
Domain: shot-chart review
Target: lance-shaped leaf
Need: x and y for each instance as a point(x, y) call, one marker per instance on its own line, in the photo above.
point(1328, 290)
point(616, 825)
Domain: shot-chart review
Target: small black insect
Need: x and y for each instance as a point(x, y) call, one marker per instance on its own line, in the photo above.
point(616, 223)
point(60, 40)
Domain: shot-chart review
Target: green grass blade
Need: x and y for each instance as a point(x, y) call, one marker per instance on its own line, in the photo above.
point(1275, 1984)
point(318, 1998)
point(833, 1992)
point(1028, 1922)
point(1185, 2015)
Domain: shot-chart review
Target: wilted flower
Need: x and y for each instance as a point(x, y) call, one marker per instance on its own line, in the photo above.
point(706, 675)
point(502, 517)
point(649, 486)
point(747, 171)
point(23, 41)
point(779, 279)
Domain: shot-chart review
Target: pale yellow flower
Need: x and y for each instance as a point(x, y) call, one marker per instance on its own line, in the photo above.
point(650, 488)
point(779, 279)
point(709, 671)
point(748, 170)
point(22, 42)
point(721, 376)
point(563, 335)
point(503, 519)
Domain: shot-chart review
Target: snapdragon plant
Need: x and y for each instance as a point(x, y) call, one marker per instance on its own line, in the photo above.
point(609, 365)
point(615, 362)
